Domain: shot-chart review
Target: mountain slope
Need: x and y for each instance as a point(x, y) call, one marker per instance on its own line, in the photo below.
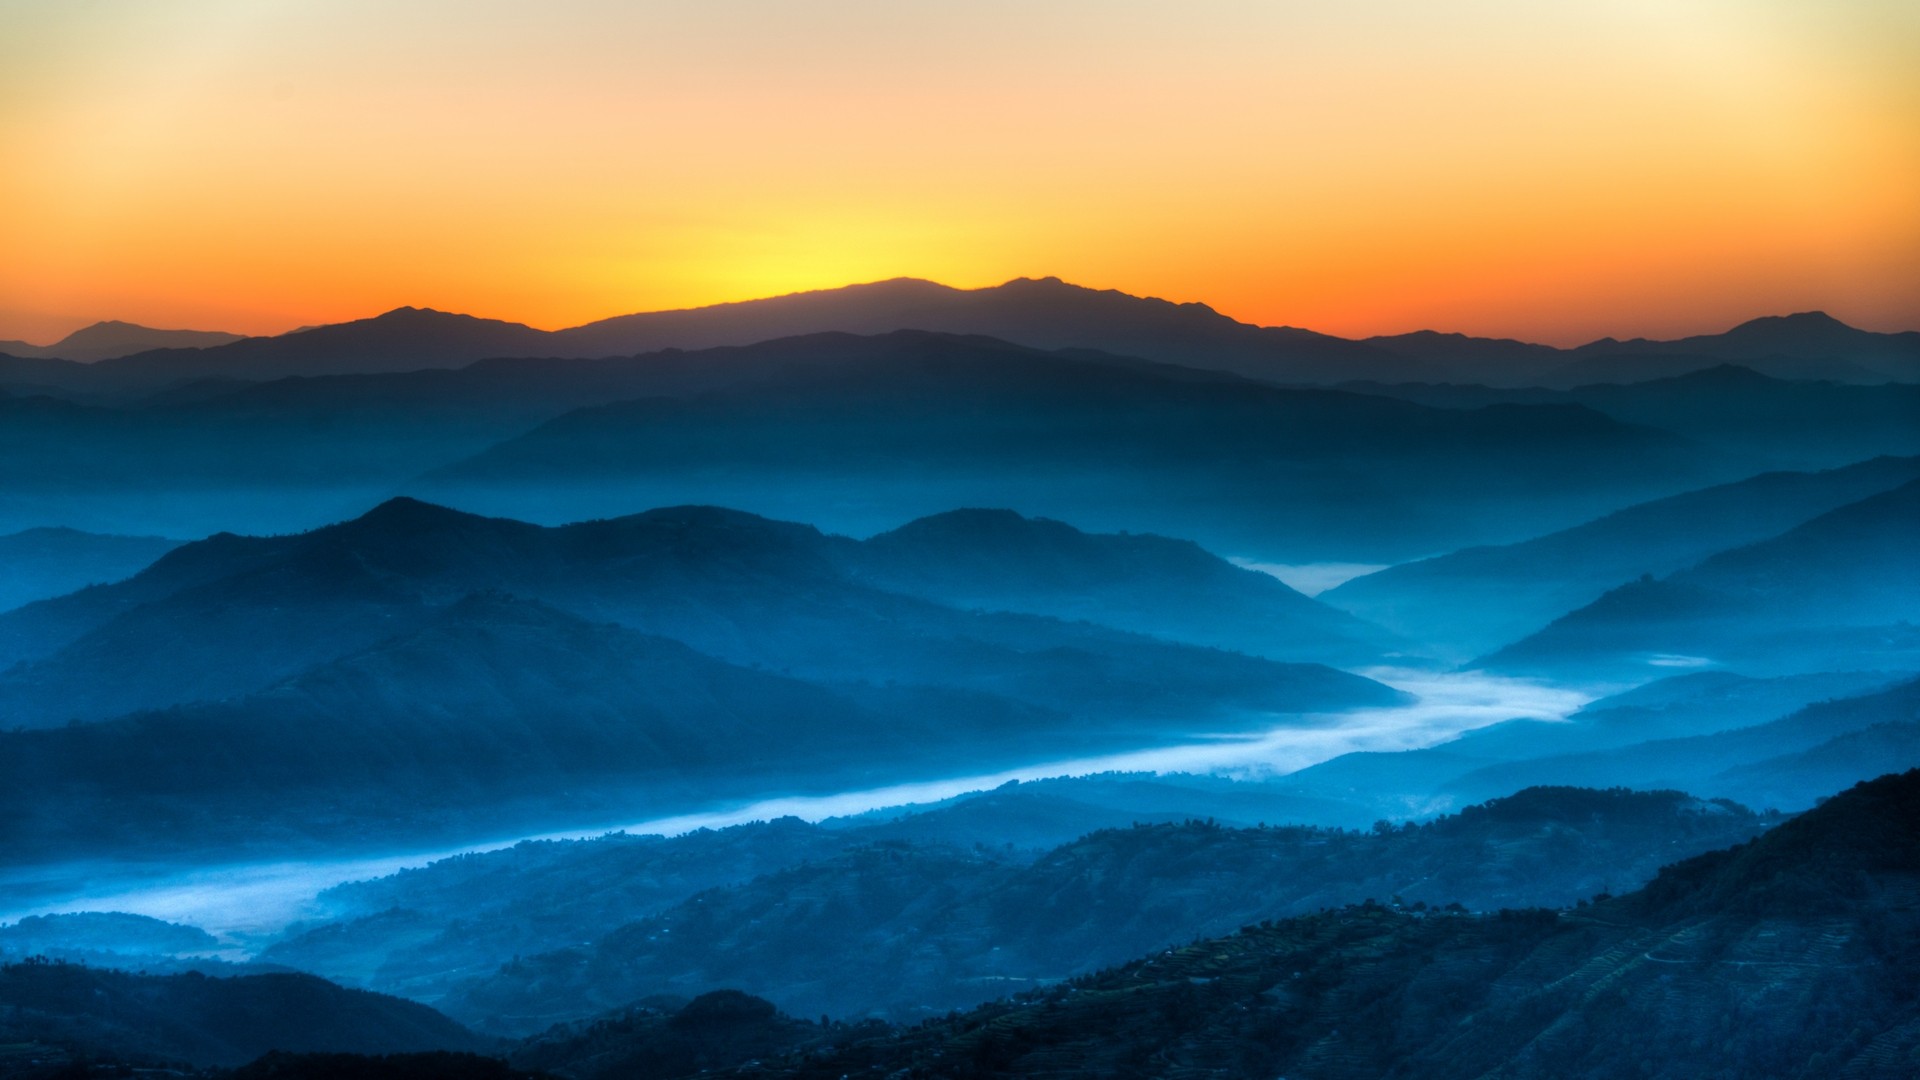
point(1475, 600)
point(866, 432)
point(233, 615)
point(41, 563)
point(909, 930)
point(70, 1011)
point(999, 560)
point(111, 339)
point(1792, 956)
point(1837, 591)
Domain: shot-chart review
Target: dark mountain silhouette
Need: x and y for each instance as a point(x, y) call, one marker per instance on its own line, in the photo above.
point(1711, 967)
point(1775, 343)
point(1778, 423)
point(1001, 561)
point(66, 1011)
point(1105, 434)
point(404, 339)
point(1472, 601)
point(232, 614)
point(868, 431)
point(1837, 591)
point(41, 563)
point(1044, 313)
point(490, 706)
point(353, 668)
point(113, 338)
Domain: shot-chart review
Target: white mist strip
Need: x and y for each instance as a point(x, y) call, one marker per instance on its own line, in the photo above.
point(246, 901)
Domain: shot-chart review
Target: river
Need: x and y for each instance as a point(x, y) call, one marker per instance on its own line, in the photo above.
point(248, 902)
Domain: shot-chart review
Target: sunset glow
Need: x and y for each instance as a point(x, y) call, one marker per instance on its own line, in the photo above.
point(1554, 172)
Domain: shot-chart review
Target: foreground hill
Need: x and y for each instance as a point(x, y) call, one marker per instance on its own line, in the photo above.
point(1793, 956)
point(1837, 591)
point(951, 926)
point(1473, 601)
point(54, 1012)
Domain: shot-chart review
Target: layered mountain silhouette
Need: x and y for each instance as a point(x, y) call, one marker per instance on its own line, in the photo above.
point(627, 648)
point(998, 560)
point(1043, 313)
point(59, 1012)
point(952, 927)
point(1712, 966)
point(1776, 423)
point(46, 562)
point(1472, 601)
point(1838, 591)
point(113, 338)
point(867, 431)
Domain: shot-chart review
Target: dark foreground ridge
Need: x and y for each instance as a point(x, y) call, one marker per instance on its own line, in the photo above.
point(1796, 954)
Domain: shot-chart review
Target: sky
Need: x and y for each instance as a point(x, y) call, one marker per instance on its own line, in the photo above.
point(1549, 171)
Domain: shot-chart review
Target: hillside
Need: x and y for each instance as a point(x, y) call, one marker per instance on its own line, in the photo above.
point(65, 1011)
point(471, 662)
point(1837, 591)
point(1791, 956)
point(41, 563)
point(877, 430)
point(1001, 561)
point(953, 926)
point(1473, 601)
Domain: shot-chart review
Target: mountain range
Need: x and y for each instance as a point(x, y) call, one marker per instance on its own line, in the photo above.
point(453, 663)
point(1042, 313)
point(1472, 601)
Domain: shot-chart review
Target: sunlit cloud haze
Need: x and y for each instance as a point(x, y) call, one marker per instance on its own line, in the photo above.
point(1550, 171)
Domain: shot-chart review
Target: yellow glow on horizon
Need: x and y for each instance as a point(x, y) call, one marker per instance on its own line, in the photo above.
point(1556, 172)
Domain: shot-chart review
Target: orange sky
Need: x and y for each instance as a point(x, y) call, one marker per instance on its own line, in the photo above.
point(1543, 170)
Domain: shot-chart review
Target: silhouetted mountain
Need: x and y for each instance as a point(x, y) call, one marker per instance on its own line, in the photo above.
point(41, 563)
point(1044, 313)
point(404, 339)
point(716, 1030)
point(364, 675)
point(1811, 344)
point(1710, 970)
point(868, 431)
point(232, 614)
point(912, 930)
point(1779, 423)
point(492, 704)
point(1837, 591)
point(1000, 561)
point(1472, 601)
point(113, 338)
point(1459, 358)
point(65, 1011)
